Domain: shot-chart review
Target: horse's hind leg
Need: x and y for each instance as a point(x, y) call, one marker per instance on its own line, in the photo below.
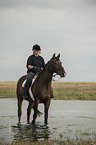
point(35, 111)
point(20, 100)
point(30, 106)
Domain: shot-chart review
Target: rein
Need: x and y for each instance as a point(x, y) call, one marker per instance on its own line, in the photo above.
point(54, 79)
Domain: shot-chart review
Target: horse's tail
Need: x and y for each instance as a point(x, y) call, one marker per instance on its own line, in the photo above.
point(19, 90)
point(19, 93)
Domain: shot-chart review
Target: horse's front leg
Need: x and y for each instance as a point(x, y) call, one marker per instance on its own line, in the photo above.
point(35, 111)
point(47, 104)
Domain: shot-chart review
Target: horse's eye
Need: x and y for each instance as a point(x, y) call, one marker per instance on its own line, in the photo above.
point(55, 62)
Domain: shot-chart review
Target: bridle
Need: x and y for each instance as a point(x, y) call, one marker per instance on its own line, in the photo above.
point(55, 76)
point(57, 79)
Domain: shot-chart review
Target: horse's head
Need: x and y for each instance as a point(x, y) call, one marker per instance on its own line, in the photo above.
point(57, 66)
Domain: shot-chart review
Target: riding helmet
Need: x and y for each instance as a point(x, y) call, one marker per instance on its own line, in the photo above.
point(36, 47)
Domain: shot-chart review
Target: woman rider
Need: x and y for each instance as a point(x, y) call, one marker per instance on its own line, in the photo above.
point(35, 63)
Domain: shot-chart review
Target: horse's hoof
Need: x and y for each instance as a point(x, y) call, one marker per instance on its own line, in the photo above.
point(46, 122)
point(28, 122)
point(19, 123)
point(33, 122)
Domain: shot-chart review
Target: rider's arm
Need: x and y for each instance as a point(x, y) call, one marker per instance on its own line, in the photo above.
point(30, 66)
point(33, 67)
point(43, 63)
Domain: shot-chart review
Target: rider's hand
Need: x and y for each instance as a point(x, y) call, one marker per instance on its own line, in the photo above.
point(35, 68)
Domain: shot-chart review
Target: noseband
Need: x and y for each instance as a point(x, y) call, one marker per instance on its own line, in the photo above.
point(54, 77)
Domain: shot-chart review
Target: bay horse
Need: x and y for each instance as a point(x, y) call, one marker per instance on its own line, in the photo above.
point(41, 89)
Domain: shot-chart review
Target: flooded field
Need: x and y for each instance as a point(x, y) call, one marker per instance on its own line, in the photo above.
point(66, 119)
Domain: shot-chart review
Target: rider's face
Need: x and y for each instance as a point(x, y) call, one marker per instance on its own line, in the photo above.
point(36, 52)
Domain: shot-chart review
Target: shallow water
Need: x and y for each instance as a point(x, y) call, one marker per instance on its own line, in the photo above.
point(66, 119)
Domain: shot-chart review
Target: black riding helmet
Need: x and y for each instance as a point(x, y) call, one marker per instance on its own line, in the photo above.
point(36, 47)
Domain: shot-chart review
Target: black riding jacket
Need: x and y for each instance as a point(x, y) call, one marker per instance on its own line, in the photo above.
point(37, 61)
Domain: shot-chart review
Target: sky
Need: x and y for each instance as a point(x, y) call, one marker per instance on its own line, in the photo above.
point(67, 27)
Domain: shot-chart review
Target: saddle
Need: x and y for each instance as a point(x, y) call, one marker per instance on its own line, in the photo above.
point(30, 92)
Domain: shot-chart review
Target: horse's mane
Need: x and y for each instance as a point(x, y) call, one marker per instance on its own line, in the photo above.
point(46, 66)
point(43, 69)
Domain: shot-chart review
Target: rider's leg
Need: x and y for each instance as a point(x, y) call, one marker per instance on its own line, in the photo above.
point(27, 85)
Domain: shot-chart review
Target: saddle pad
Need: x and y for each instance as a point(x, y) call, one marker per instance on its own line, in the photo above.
point(30, 92)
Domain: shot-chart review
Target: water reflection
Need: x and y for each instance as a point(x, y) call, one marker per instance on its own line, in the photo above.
point(31, 132)
point(67, 118)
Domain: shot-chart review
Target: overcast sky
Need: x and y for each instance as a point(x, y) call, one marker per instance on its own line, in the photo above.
point(67, 27)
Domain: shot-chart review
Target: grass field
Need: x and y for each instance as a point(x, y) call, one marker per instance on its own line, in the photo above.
point(62, 90)
point(74, 91)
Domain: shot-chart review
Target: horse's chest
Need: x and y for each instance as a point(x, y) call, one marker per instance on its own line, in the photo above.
point(48, 91)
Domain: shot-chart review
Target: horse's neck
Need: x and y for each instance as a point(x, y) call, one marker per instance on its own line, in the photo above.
point(47, 75)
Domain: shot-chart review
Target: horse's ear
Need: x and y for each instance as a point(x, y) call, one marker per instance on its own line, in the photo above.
point(58, 56)
point(53, 56)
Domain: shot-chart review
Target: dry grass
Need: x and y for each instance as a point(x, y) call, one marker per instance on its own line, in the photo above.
point(75, 90)
point(8, 89)
point(62, 90)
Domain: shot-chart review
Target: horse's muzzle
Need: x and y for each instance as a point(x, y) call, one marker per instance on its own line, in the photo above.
point(62, 72)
